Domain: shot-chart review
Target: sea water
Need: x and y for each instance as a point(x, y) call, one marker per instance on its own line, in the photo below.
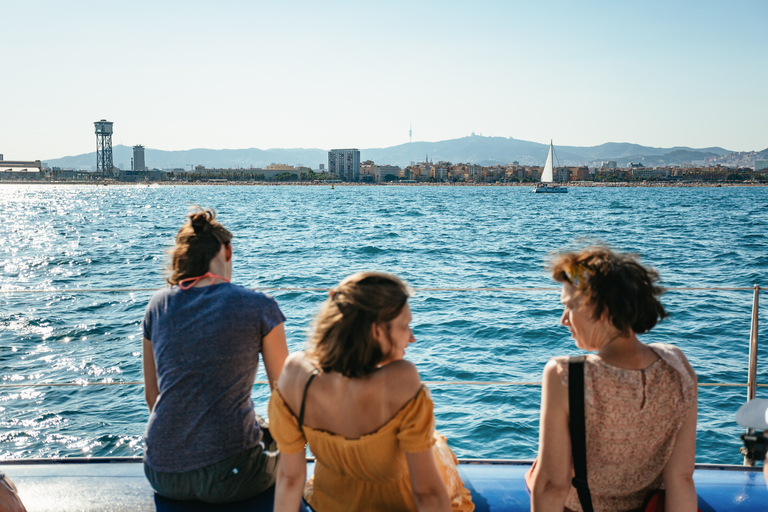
point(72, 238)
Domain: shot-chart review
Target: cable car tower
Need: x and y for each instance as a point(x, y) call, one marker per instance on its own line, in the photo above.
point(104, 146)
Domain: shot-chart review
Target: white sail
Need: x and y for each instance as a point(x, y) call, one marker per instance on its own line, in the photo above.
point(547, 175)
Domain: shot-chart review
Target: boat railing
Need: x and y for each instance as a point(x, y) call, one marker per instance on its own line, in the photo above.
point(751, 383)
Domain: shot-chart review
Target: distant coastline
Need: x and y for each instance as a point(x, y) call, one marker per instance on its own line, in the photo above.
point(596, 184)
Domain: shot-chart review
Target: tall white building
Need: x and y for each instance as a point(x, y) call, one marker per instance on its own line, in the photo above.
point(138, 159)
point(344, 164)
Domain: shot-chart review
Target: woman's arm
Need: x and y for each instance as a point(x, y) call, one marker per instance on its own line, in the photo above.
point(550, 478)
point(291, 478)
point(678, 473)
point(429, 492)
point(274, 350)
point(151, 390)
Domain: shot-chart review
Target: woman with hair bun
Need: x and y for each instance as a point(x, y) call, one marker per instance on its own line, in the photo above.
point(202, 340)
point(639, 400)
point(363, 410)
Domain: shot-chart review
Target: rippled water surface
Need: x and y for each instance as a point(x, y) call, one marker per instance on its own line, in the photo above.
point(71, 238)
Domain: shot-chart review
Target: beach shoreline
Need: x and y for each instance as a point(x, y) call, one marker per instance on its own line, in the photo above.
point(597, 184)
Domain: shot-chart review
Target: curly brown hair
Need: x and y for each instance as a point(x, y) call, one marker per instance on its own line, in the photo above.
point(197, 243)
point(616, 283)
point(343, 340)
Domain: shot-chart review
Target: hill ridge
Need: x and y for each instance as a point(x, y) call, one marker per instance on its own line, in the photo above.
point(476, 149)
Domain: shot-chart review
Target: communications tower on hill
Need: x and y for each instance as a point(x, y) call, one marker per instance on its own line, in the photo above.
point(103, 146)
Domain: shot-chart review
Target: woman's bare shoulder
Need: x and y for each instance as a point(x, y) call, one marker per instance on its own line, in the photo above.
point(296, 370)
point(399, 382)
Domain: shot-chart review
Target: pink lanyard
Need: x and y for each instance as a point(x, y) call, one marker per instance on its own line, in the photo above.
point(192, 281)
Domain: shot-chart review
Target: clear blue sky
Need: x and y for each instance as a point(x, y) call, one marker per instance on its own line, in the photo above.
point(241, 74)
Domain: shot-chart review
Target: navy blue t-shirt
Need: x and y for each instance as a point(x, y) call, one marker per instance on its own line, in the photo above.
point(206, 343)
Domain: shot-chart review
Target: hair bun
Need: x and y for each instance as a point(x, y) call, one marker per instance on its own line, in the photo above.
point(201, 220)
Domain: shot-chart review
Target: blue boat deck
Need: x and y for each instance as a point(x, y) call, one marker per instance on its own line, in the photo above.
point(117, 485)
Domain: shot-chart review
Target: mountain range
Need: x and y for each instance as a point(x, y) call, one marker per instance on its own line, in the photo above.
point(474, 149)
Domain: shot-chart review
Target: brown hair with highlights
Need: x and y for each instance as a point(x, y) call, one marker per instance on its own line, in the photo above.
point(616, 283)
point(343, 339)
point(197, 243)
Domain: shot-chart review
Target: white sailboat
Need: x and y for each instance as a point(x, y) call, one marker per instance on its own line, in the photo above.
point(548, 176)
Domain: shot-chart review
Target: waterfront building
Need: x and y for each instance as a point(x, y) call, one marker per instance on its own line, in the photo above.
point(562, 175)
point(20, 170)
point(413, 172)
point(613, 174)
point(58, 174)
point(142, 175)
point(138, 159)
point(367, 170)
point(473, 172)
point(609, 164)
point(579, 173)
point(344, 164)
point(644, 173)
point(459, 173)
point(441, 171)
point(492, 173)
point(280, 167)
point(381, 172)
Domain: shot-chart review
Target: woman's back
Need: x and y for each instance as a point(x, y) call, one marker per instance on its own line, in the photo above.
point(632, 420)
point(360, 464)
point(206, 353)
point(359, 430)
point(334, 402)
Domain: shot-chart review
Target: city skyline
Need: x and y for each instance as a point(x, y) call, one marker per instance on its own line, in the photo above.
point(177, 76)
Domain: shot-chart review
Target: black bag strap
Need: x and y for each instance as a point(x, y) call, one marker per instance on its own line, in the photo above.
point(304, 396)
point(578, 430)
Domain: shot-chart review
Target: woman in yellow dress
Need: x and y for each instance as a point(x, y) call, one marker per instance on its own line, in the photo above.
point(363, 410)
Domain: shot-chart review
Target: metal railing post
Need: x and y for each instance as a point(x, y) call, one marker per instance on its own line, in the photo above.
point(752, 376)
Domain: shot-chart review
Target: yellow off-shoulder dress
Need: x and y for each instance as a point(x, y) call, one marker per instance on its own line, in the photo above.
point(371, 472)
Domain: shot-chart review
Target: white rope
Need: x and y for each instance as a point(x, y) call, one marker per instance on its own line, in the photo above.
point(292, 289)
point(288, 289)
point(264, 382)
